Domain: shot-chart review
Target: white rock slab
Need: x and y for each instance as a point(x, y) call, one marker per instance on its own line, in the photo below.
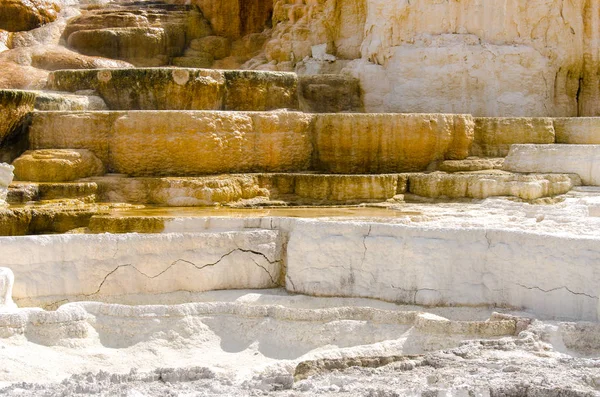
point(92, 266)
point(6, 177)
point(550, 275)
point(577, 130)
point(583, 160)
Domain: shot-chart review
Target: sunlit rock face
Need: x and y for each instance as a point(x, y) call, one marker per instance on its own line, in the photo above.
point(28, 67)
point(19, 15)
point(236, 18)
point(57, 165)
point(6, 177)
point(14, 107)
point(184, 89)
point(517, 58)
point(379, 143)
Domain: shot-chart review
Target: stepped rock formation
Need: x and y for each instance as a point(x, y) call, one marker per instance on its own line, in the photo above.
point(300, 197)
point(508, 58)
point(504, 58)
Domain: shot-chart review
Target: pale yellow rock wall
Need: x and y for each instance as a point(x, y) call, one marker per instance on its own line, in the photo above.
point(235, 18)
point(196, 143)
point(486, 58)
point(509, 57)
point(380, 143)
point(578, 130)
point(73, 131)
point(484, 185)
point(182, 143)
point(301, 24)
point(57, 165)
point(175, 143)
point(495, 135)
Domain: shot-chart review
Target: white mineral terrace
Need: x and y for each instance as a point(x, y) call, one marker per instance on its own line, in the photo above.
point(298, 198)
point(439, 276)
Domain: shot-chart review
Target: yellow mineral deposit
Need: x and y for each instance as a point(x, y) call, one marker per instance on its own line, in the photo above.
point(299, 197)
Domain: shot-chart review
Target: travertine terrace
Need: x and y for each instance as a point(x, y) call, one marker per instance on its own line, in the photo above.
point(299, 197)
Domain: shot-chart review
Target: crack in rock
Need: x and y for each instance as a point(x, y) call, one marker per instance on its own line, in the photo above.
point(556, 289)
point(192, 264)
point(413, 291)
point(489, 240)
point(288, 278)
point(364, 242)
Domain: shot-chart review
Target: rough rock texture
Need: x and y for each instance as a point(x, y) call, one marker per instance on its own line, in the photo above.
point(471, 164)
point(184, 89)
point(14, 107)
point(485, 184)
point(62, 101)
point(440, 266)
point(300, 25)
point(387, 143)
point(209, 143)
point(495, 135)
point(577, 130)
point(52, 217)
point(213, 142)
point(236, 18)
point(254, 91)
point(520, 58)
point(293, 188)
point(7, 280)
point(180, 192)
point(6, 177)
point(87, 130)
point(18, 15)
point(335, 347)
point(139, 46)
point(57, 165)
point(185, 143)
point(27, 67)
point(97, 265)
point(5, 38)
point(46, 219)
point(583, 160)
point(492, 59)
point(141, 89)
point(216, 46)
point(143, 33)
point(330, 93)
point(333, 189)
point(24, 192)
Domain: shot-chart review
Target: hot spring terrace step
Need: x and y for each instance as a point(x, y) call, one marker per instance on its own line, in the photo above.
point(495, 135)
point(209, 89)
point(324, 189)
point(583, 160)
point(275, 189)
point(191, 143)
point(23, 192)
point(183, 88)
point(87, 267)
point(481, 185)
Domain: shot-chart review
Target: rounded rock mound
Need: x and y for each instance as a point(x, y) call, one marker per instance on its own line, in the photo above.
point(57, 165)
point(20, 15)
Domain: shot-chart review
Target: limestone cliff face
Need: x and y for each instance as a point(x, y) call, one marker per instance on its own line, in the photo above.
point(510, 57)
point(488, 58)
